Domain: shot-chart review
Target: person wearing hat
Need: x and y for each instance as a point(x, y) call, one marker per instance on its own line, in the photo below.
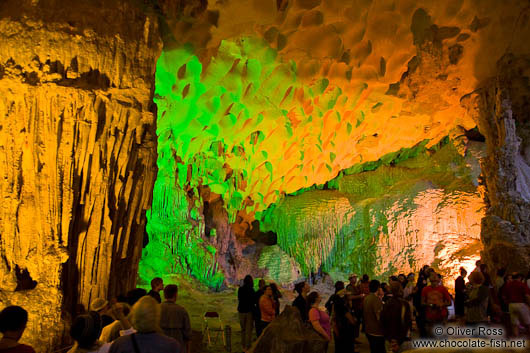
point(121, 326)
point(85, 330)
point(101, 306)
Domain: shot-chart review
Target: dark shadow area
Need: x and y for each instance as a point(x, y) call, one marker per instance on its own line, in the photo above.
point(24, 280)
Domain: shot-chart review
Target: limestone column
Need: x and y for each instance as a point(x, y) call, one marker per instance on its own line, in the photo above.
point(77, 153)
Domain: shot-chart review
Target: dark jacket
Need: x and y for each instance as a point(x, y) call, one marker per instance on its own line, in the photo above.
point(246, 300)
point(155, 295)
point(301, 304)
point(396, 319)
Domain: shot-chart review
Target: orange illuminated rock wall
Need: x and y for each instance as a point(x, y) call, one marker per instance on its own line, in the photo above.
point(78, 144)
point(77, 155)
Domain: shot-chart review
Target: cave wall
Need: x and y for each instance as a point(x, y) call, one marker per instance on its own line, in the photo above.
point(78, 154)
point(501, 109)
point(273, 98)
point(394, 219)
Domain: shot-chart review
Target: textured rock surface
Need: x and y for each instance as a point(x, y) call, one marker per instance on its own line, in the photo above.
point(501, 109)
point(288, 334)
point(275, 97)
point(78, 153)
point(425, 210)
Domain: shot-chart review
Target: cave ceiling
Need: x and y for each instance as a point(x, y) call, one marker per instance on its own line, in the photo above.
point(276, 96)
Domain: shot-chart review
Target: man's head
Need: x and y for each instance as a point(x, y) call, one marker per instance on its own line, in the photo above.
point(262, 284)
point(476, 278)
point(501, 272)
point(478, 263)
point(353, 279)
point(99, 305)
point(396, 289)
point(171, 292)
point(374, 285)
point(134, 295)
point(339, 285)
point(365, 278)
point(157, 284)
point(145, 315)
point(463, 272)
point(267, 291)
point(248, 281)
point(434, 279)
point(86, 329)
point(13, 320)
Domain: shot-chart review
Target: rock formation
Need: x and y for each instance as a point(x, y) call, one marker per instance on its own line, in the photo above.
point(261, 107)
point(284, 97)
point(288, 334)
point(424, 210)
point(502, 113)
point(78, 153)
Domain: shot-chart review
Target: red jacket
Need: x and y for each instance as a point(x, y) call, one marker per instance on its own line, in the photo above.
point(267, 307)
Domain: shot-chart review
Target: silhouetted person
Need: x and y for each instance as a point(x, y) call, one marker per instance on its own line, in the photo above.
point(85, 331)
point(174, 319)
point(372, 307)
point(460, 293)
point(396, 317)
point(101, 306)
point(157, 284)
point(339, 285)
point(344, 322)
point(134, 295)
point(300, 302)
point(246, 307)
point(477, 300)
point(13, 321)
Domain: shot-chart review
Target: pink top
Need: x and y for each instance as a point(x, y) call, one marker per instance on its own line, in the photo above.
point(322, 317)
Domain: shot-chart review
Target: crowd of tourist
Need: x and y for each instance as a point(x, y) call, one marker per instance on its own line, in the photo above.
point(387, 313)
point(390, 313)
point(132, 323)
